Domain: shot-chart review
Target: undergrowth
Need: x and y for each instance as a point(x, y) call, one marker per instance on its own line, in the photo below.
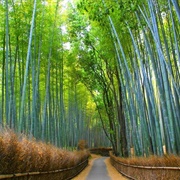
point(153, 161)
point(20, 155)
point(146, 172)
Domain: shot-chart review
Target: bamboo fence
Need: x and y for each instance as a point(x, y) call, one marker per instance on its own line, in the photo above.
point(61, 174)
point(145, 172)
point(101, 151)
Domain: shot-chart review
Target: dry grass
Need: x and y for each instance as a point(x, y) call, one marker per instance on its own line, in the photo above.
point(146, 172)
point(82, 144)
point(20, 155)
point(153, 161)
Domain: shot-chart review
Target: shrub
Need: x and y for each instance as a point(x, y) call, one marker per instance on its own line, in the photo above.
point(20, 155)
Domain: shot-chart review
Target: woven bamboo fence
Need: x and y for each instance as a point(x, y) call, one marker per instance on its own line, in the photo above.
point(145, 172)
point(62, 174)
point(101, 151)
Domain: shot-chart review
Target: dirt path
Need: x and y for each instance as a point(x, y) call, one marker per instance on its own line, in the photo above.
point(109, 170)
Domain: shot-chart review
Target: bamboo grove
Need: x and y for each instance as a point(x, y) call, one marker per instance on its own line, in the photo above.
point(97, 69)
point(39, 95)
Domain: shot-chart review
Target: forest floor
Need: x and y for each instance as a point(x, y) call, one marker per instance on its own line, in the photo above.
point(112, 172)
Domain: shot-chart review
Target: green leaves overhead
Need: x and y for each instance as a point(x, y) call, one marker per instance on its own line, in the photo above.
point(134, 33)
point(109, 64)
point(53, 101)
point(99, 11)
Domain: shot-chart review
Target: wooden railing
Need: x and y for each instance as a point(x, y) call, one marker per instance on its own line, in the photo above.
point(101, 151)
point(145, 172)
point(61, 174)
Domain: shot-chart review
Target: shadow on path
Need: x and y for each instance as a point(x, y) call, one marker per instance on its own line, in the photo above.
point(98, 170)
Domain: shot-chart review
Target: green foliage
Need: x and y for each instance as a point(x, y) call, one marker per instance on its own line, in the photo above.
point(53, 105)
point(118, 79)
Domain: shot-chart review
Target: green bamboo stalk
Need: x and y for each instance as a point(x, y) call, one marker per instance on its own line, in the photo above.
point(26, 70)
point(176, 6)
point(129, 85)
point(147, 86)
point(7, 93)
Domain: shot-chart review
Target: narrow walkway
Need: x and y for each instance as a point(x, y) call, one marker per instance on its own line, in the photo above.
point(98, 170)
point(109, 171)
